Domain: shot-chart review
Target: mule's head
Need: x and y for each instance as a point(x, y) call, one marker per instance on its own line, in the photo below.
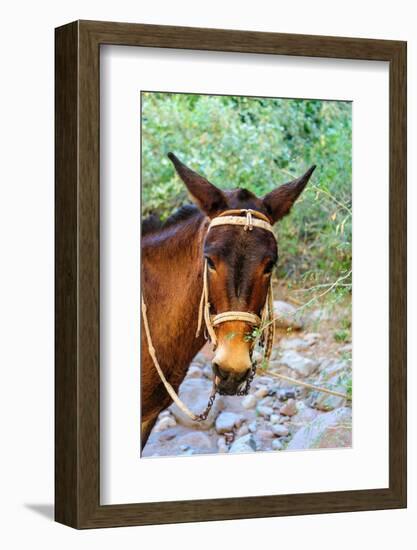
point(240, 264)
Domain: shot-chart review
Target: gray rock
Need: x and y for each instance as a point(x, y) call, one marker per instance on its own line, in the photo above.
point(167, 435)
point(261, 392)
point(295, 343)
point(329, 430)
point(200, 359)
point(208, 372)
point(289, 408)
point(189, 452)
point(253, 426)
point(304, 415)
point(302, 366)
point(165, 423)
point(278, 368)
point(275, 419)
point(264, 434)
point(286, 393)
point(249, 401)
point(280, 430)
point(326, 402)
point(312, 337)
point(205, 355)
point(263, 380)
point(179, 440)
point(226, 421)
point(263, 439)
point(243, 430)
point(196, 441)
point(275, 354)
point(264, 410)
point(277, 445)
point(266, 402)
point(331, 368)
point(245, 444)
point(320, 315)
point(346, 348)
point(194, 372)
point(222, 446)
point(195, 393)
point(333, 375)
point(234, 403)
point(287, 316)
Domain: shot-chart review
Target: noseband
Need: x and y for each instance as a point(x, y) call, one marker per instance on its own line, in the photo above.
point(264, 323)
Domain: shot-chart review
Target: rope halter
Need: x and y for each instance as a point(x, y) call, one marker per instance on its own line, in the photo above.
point(248, 219)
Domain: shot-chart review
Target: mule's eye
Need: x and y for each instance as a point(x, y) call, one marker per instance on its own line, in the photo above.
point(210, 263)
point(269, 267)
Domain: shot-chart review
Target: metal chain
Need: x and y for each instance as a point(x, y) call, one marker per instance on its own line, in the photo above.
point(249, 379)
point(203, 416)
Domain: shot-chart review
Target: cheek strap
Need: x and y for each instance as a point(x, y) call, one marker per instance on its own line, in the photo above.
point(212, 321)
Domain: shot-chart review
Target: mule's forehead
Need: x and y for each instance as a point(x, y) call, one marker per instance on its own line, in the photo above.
point(229, 241)
point(240, 258)
point(243, 198)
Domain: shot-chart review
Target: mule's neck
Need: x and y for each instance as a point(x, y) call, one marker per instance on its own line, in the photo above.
point(172, 261)
point(172, 243)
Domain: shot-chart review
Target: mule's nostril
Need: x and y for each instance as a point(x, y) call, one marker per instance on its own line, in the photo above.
point(230, 376)
point(243, 375)
point(223, 374)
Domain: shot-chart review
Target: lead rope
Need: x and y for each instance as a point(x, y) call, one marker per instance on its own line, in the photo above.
point(173, 394)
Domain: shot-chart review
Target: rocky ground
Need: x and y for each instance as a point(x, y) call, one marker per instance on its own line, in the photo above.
point(275, 415)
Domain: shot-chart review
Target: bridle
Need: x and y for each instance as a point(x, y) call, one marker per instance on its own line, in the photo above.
point(251, 219)
point(263, 324)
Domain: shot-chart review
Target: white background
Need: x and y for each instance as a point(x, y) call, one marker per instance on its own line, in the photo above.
point(26, 218)
point(125, 478)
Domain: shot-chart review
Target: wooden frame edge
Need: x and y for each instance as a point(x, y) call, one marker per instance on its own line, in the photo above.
point(398, 272)
point(66, 275)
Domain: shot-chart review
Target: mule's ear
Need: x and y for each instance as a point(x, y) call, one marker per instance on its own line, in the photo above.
point(208, 198)
point(278, 202)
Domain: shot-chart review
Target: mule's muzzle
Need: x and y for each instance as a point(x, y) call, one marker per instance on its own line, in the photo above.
point(229, 382)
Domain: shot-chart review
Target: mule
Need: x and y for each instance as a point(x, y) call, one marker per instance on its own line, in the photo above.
point(239, 268)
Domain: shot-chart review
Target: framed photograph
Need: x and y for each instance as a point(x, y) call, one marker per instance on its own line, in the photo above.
point(230, 274)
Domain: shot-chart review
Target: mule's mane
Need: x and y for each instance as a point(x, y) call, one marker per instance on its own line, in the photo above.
point(183, 213)
point(244, 194)
point(153, 223)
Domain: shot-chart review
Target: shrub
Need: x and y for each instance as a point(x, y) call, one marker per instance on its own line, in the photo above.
point(259, 143)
